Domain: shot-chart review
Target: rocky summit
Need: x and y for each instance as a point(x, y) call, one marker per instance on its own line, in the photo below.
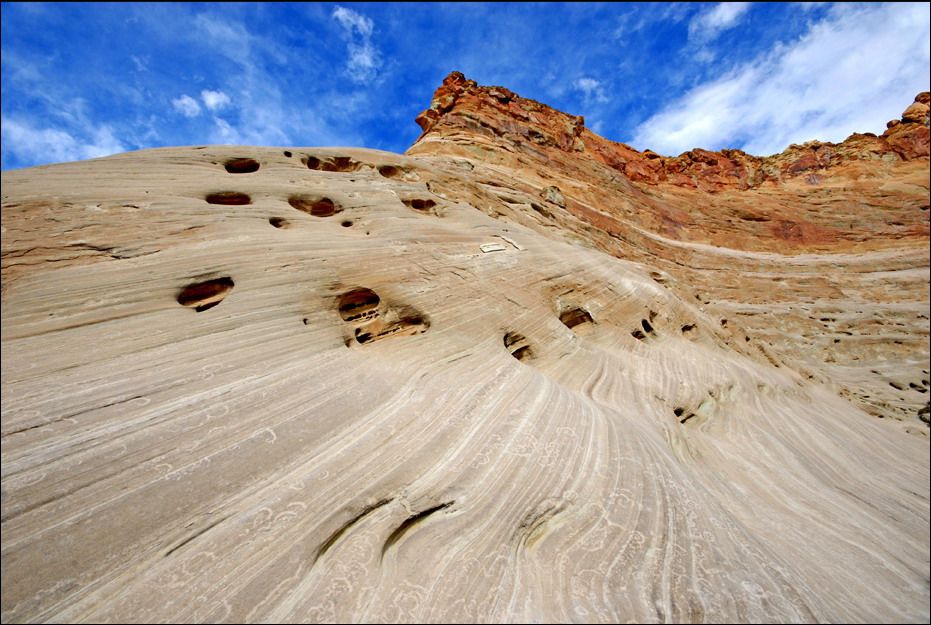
point(520, 373)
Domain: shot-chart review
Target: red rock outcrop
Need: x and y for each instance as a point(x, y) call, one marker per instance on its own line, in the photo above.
point(460, 104)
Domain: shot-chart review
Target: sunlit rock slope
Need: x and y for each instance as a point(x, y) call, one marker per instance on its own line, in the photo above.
point(514, 375)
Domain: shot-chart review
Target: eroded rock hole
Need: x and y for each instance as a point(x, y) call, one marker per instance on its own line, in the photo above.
point(344, 163)
point(279, 222)
point(287, 153)
point(688, 328)
point(358, 304)
point(202, 296)
point(647, 327)
point(575, 317)
point(229, 198)
point(637, 334)
point(518, 346)
point(419, 204)
point(374, 320)
point(678, 411)
point(522, 353)
point(346, 224)
point(316, 206)
point(332, 163)
point(390, 171)
point(406, 325)
point(242, 165)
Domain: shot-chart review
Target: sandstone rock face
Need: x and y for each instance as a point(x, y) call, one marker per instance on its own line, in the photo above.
point(518, 374)
point(819, 253)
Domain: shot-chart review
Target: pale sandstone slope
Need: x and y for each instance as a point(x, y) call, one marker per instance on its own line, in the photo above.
point(371, 419)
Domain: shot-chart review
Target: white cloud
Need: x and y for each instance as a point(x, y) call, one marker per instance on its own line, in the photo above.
point(104, 144)
point(363, 62)
point(28, 143)
point(708, 24)
point(350, 20)
point(637, 17)
point(214, 100)
point(229, 38)
point(141, 63)
point(364, 58)
point(851, 72)
point(262, 111)
point(261, 116)
point(808, 6)
point(588, 85)
point(591, 88)
point(224, 132)
point(186, 105)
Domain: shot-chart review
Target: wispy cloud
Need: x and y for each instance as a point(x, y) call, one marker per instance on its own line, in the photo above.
point(591, 88)
point(258, 115)
point(364, 58)
point(638, 17)
point(233, 37)
point(852, 71)
point(186, 105)
point(26, 142)
point(214, 100)
point(710, 23)
point(808, 6)
point(224, 133)
point(141, 64)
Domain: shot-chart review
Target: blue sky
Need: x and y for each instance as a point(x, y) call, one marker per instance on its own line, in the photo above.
point(81, 80)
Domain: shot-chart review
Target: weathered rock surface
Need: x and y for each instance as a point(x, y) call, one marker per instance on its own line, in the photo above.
point(819, 253)
point(519, 374)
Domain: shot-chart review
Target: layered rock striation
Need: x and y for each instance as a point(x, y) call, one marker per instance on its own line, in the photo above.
point(820, 253)
point(521, 373)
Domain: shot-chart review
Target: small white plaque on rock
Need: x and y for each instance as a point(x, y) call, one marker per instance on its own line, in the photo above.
point(493, 247)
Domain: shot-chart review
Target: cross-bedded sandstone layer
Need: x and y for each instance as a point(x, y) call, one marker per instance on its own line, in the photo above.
point(819, 254)
point(496, 379)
